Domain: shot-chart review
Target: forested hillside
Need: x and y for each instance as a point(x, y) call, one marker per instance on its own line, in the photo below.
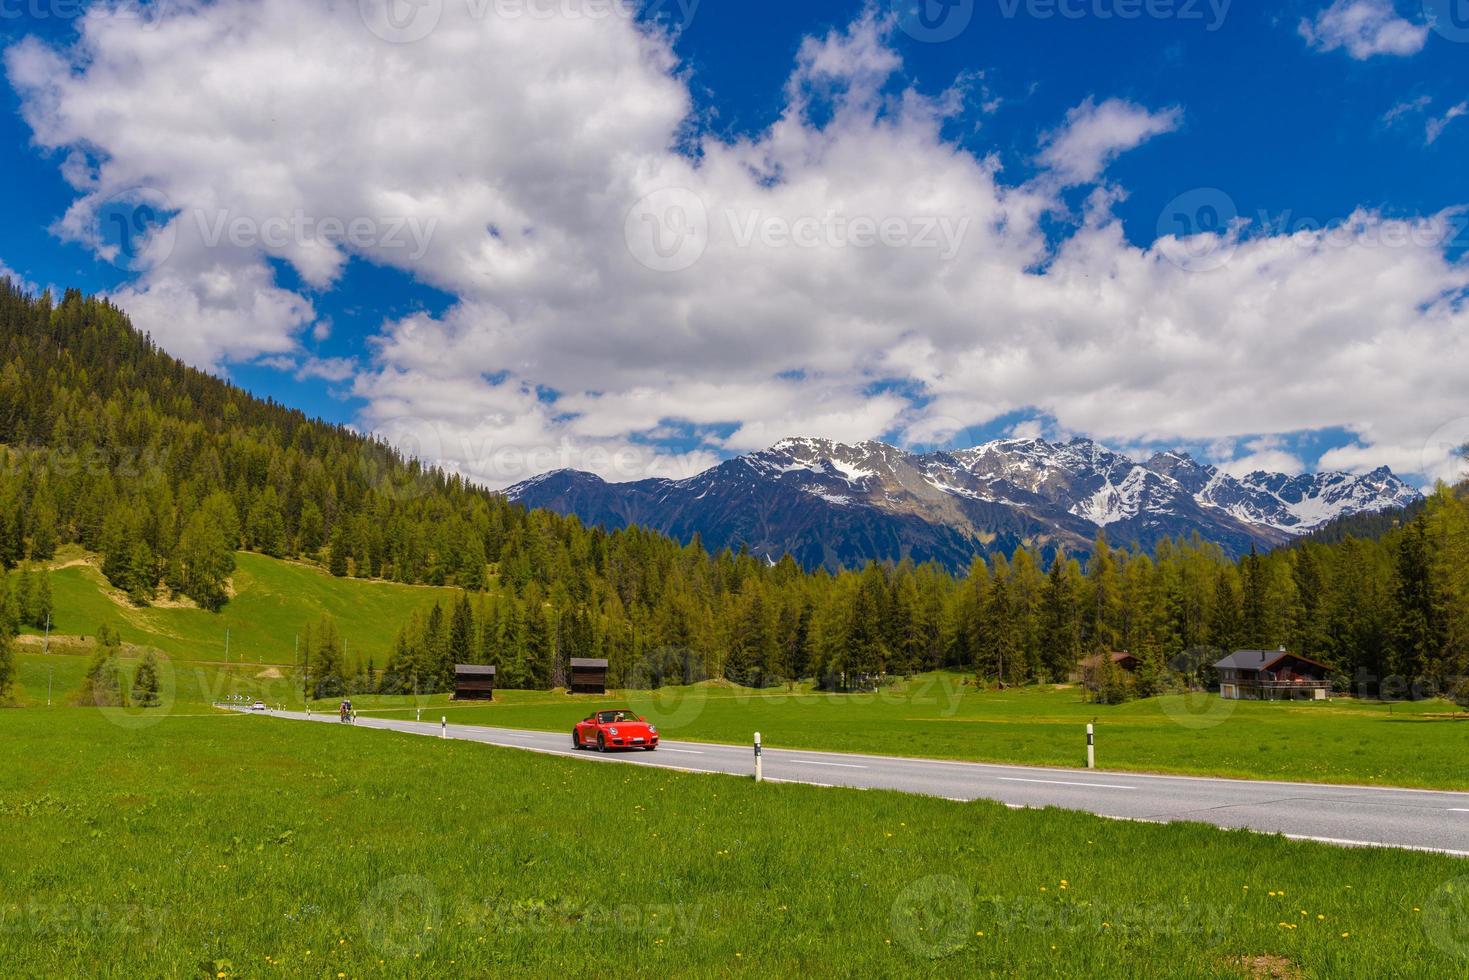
point(166, 472)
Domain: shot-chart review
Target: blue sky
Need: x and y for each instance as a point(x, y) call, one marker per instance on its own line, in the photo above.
point(1291, 116)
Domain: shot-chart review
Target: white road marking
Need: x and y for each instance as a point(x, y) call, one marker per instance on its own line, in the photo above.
point(837, 765)
point(1062, 782)
point(664, 748)
point(1454, 809)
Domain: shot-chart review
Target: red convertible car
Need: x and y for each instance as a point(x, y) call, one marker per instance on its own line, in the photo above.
point(614, 730)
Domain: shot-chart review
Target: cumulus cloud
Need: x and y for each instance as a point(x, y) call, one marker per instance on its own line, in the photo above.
point(1267, 454)
point(623, 276)
point(1365, 28)
point(1094, 135)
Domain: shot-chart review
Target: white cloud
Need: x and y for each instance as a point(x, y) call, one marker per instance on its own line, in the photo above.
point(1435, 127)
point(1266, 454)
point(1408, 107)
point(6, 272)
point(1094, 135)
point(266, 109)
point(325, 368)
point(1365, 28)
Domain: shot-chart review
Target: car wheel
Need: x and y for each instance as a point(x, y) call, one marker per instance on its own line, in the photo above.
point(576, 739)
point(601, 742)
point(651, 748)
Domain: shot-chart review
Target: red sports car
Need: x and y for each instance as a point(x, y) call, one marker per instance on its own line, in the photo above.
point(614, 730)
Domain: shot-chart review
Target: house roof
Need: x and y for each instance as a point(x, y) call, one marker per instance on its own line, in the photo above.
point(1095, 660)
point(1262, 660)
point(588, 662)
point(474, 670)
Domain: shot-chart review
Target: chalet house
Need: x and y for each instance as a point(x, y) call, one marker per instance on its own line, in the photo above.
point(1091, 667)
point(1124, 660)
point(1272, 675)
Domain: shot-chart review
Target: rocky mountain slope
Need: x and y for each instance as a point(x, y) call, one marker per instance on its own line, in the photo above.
point(833, 505)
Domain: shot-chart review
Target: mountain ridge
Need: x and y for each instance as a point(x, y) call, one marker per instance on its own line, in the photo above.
point(832, 504)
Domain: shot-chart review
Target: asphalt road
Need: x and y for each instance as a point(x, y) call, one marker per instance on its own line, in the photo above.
point(1348, 815)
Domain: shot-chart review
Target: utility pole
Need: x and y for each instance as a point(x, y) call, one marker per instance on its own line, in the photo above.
point(46, 644)
point(226, 646)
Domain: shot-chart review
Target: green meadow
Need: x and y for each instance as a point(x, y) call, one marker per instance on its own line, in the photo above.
point(237, 846)
point(942, 715)
point(273, 601)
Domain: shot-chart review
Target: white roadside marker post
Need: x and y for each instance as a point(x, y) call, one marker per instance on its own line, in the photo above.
point(1091, 748)
point(420, 714)
point(759, 775)
point(443, 726)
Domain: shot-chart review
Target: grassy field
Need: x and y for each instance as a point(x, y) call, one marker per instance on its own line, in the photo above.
point(243, 846)
point(273, 601)
point(939, 716)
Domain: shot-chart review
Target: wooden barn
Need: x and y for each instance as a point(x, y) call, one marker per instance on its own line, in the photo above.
point(473, 682)
point(588, 676)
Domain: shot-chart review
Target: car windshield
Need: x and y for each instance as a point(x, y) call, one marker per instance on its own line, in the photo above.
point(615, 717)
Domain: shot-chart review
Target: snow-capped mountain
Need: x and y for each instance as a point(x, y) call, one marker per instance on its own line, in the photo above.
point(834, 505)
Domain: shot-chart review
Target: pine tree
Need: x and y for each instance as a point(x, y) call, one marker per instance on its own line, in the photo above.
point(103, 687)
point(146, 682)
point(463, 646)
point(1255, 605)
point(1101, 629)
point(1417, 637)
point(339, 551)
point(206, 555)
point(311, 531)
point(266, 525)
point(1060, 621)
point(327, 680)
point(7, 661)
